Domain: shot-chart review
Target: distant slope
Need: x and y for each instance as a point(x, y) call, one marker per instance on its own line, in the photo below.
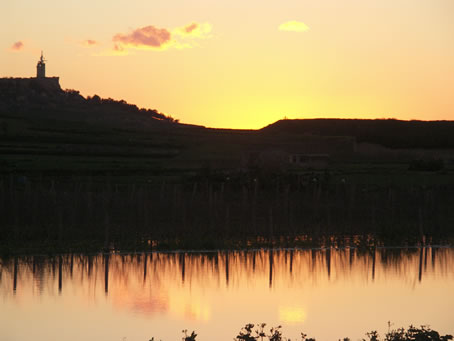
point(387, 132)
point(44, 97)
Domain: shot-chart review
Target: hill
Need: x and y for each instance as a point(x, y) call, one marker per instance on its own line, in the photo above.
point(389, 133)
point(45, 129)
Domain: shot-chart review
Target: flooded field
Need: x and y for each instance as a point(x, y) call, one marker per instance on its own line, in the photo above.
point(325, 293)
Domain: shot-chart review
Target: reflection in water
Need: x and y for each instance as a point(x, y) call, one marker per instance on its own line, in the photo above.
point(227, 268)
point(106, 273)
point(208, 266)
point(271, 267)
point(291, 314)
point(15, 275)
point(373, 262)
point(60, 270)
point(184, 285)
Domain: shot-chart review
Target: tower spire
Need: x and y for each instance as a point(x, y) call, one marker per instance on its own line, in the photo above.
point(41, 67)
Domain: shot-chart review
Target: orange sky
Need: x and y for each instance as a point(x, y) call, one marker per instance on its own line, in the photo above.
point(243, 64)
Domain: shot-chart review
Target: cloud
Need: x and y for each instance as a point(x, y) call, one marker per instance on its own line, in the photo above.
point(117, 50)
point(294, 26)
point(153, 38)
point(112, 53)
point(194, 30)
point(148, 37)
point(17, 46)
point(90, 43)
point(190, 28)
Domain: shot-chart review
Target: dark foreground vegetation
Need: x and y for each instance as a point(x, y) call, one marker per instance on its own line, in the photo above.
point(252, 332)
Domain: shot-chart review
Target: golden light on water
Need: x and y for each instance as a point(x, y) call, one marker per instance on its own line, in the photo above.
point(292, 314)
point(191, 308)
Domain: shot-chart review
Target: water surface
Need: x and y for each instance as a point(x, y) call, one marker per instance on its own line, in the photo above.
point(326, 293)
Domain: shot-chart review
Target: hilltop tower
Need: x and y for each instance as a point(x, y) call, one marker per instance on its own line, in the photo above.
point(41, 67)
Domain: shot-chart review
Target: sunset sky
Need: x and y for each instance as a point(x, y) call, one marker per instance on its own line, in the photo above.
point(243, 64)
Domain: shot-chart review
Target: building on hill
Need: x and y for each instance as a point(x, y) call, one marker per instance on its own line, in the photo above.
point(47, 83)
point(22, 89)
point(306, 160)
point(41, 67)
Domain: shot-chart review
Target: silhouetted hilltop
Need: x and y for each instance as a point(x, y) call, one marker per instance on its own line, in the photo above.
point(390, 133)
point(44, 96)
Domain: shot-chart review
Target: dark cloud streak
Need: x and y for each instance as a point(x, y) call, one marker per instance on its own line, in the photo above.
point(90, 42)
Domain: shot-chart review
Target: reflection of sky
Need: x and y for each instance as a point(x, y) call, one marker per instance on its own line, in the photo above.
point(289, 314)
point(160, 294)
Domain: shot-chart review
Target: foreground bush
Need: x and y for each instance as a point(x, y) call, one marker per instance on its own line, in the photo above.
point(251, 332)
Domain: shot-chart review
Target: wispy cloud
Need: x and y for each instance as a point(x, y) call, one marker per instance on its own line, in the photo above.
point(115, 51)
point(17, 46)
point(293, 26)
point(194, 30)
point(191, 27)
point(154, 38)
point(89, 43)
